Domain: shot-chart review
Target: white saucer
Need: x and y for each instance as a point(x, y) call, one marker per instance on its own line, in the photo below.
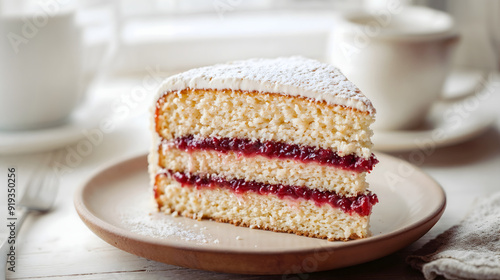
point(443, 128)
point(462, 117)
point(87, 117)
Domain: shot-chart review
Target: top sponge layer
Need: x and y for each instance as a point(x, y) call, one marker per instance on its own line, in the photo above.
point(295, 76)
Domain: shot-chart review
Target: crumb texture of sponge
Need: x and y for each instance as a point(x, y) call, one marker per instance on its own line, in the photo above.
point(267, 212)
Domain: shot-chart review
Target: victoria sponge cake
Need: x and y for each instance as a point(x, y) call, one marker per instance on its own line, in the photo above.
point(277, 144)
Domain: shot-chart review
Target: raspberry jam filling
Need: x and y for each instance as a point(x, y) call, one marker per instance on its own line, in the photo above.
point(361, 204)
point(274, 149)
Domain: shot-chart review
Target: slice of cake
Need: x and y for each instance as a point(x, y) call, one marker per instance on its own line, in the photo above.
point(277, 144)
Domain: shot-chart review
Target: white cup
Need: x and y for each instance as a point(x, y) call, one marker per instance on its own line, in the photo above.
point(42, 77)
point(399, 60)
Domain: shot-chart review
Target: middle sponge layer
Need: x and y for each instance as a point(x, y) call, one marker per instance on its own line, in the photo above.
point(262, 169)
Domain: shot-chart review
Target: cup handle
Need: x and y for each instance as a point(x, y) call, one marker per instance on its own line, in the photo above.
point(460, 94)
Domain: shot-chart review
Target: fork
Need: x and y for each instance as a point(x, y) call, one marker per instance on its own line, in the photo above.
point(39, 196)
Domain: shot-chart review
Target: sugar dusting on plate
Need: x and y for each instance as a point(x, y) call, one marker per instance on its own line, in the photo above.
point(143, 220)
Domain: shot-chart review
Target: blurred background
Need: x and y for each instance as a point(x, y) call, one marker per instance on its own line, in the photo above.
point(90, 69)
point(182, 34)
point(176, 35)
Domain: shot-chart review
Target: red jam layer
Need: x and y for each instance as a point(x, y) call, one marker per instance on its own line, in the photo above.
point(274, 149)
point(361, 204)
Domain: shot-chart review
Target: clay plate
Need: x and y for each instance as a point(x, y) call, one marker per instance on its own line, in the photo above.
point(116, 204)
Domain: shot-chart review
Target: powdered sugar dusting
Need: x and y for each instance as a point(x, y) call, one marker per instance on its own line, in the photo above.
point(296, 76)
point(146, 221)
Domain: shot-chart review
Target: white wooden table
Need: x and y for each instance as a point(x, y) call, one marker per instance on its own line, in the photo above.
point(57, 245)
